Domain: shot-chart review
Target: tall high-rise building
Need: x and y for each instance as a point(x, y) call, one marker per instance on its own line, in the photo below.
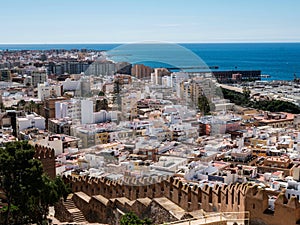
point(87, 111)
point(156, 78)
point(141, 71)
point(38, 77)
point(102, 68)
point(70, 67)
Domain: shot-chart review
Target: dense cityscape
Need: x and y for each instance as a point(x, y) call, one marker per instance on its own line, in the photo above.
point(125, 136)
point(98, 126)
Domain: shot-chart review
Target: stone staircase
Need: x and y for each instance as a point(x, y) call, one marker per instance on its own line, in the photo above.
point(77, 215)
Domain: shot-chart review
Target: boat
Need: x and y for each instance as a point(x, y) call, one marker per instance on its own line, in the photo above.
point(265, 76)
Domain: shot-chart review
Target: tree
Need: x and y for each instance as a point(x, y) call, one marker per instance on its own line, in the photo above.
point(203, 105)
point(21, 104)
point(246, 92)
point(132, 219)
point(50, 193)
point(243, 99)
point(32, 106)
point(28, 192)
point(101, 93)
point(101, 104)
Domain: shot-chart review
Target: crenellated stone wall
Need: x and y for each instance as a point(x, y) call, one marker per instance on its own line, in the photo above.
point(47, 158)
point(286, 211)
point(168, 199)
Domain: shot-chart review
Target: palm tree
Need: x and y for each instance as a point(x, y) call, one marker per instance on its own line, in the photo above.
point(32, 106)
point(21, 104)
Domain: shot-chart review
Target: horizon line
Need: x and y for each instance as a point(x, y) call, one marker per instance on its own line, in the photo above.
point(157, 42)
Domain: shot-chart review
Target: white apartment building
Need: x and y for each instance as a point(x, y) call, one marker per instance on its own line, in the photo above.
point(71, 85)
point(30, 121)
point(87, 112)
point(81, 87)
point(46, 91)
point(69, 108)
point(76, 109)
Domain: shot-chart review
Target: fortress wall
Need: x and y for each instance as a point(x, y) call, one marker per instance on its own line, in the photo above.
point(138, 195)
point(47, 158)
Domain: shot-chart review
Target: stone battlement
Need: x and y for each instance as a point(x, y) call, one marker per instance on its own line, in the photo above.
point(42, 152)
point(47, 158)
point(139, 195)
point(189, 198)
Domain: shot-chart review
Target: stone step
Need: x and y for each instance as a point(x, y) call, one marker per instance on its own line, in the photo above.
point(79, 219)
point(70, 207)
point(69, 204)
point(82, 220)
point(77, 215)
point(76, 219)
point(70, 196)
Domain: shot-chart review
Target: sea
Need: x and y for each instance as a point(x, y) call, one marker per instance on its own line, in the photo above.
point(281, 61)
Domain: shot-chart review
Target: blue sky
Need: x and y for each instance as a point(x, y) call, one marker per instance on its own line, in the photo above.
point(99, 21)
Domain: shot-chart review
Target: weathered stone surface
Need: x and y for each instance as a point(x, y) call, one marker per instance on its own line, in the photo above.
point(169, 200)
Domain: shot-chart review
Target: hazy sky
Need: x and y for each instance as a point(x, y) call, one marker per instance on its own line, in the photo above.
point(97, 21)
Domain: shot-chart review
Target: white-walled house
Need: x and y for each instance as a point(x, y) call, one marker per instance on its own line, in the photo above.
point(30, 121)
